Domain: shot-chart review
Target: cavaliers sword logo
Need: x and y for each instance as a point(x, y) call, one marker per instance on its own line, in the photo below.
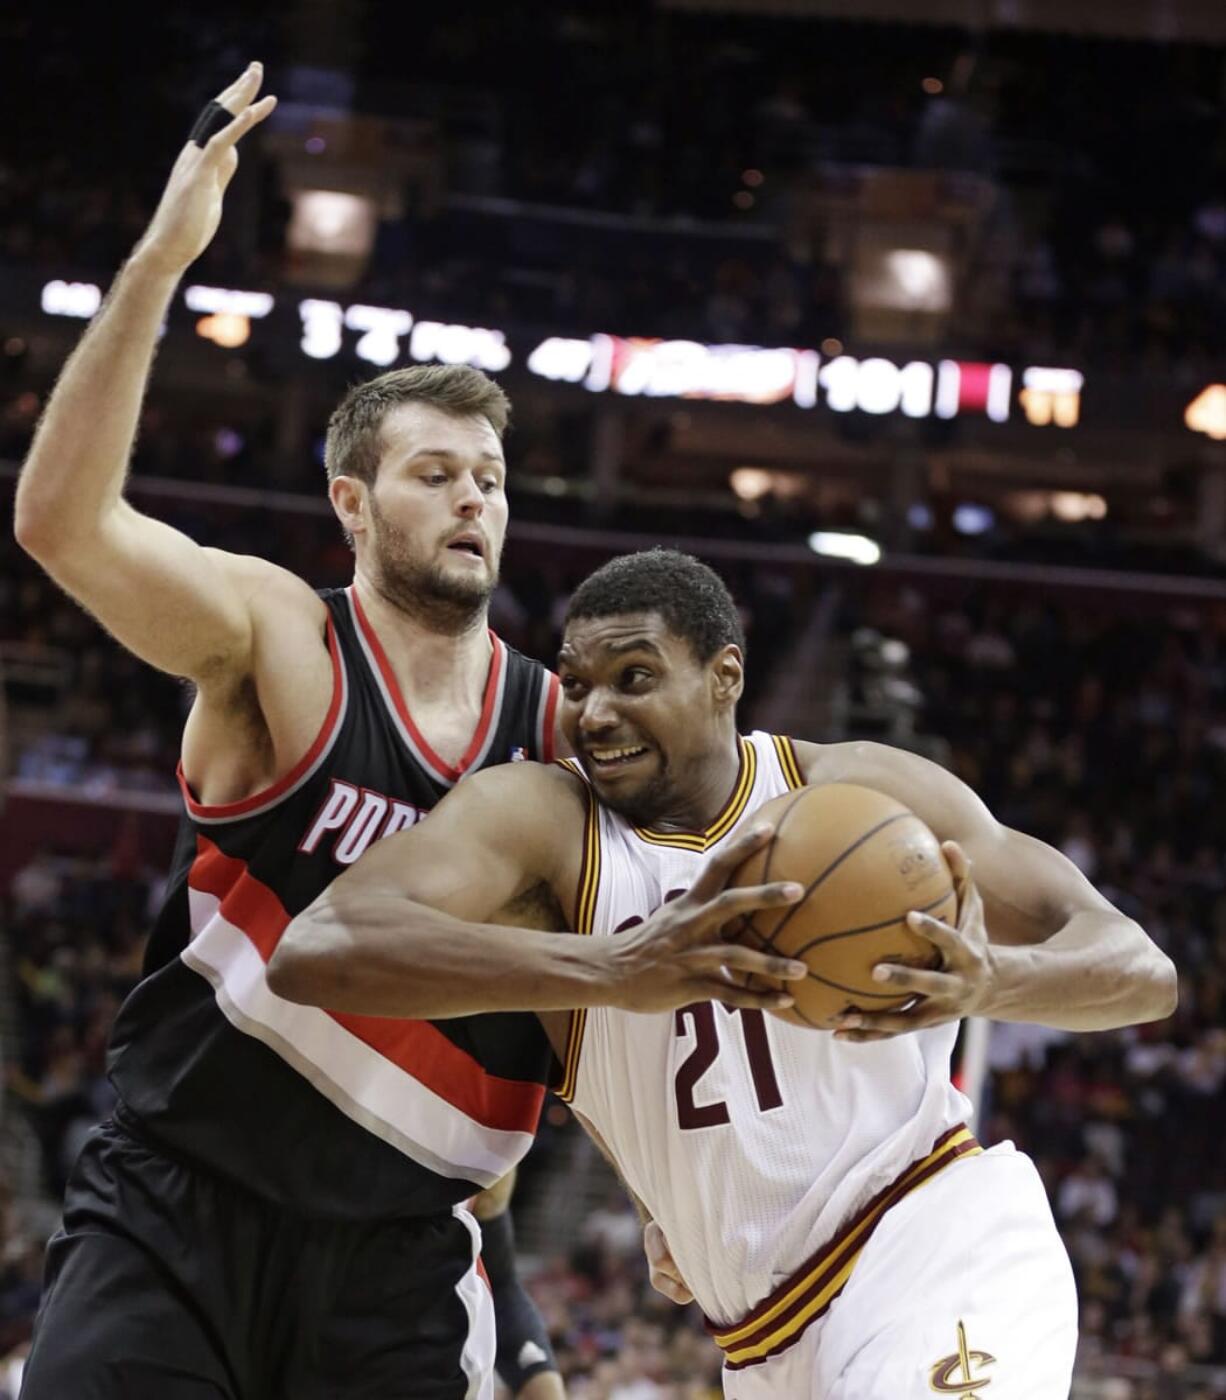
point(955, 1375)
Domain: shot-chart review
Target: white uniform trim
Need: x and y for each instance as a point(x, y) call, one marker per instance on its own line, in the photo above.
point(480, 1346)
point(365, 1085)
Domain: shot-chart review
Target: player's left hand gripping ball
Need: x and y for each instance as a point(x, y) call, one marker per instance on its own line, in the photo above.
point(962, 986)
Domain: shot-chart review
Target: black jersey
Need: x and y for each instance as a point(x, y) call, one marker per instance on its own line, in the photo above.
point(333, 1115)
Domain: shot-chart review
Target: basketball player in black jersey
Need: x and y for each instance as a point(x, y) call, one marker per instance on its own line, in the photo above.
point(276, 1211)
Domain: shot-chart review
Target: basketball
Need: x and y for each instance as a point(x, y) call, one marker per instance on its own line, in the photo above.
point(865, 861)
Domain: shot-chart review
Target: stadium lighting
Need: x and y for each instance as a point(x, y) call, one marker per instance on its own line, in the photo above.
point(331, 222)
point(646, 367)
point(214, 300)
point(1207, 412)
point(561, 360)
point(972, 519)
point(1051, 396)
point(80, 299)
point(921, 277)
point(903, 280)
point(229, 329)
point(835, 544)
point(321, 328)
point(1072, 506)
point(460, 345)
point(751, 483)
point(382, 326)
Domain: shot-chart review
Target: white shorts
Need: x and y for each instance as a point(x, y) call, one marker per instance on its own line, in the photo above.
point(964, 1289)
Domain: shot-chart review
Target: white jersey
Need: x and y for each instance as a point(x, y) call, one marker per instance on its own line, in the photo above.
point(751, 1141)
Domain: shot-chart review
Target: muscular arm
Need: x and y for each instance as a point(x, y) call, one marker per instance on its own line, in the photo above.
point(170, 602)
point(407, 930)
point(1059, 953)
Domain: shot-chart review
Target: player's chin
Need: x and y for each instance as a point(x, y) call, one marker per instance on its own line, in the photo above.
point(468, 575)
point(624, 776)
point(633, 795)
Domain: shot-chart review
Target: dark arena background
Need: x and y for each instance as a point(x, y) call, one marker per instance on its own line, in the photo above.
point(909, 319)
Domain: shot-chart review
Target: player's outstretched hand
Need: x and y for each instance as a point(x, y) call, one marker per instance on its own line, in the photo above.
point(963, 985)
point(679, 955)
point(665, 1275)
point(190, 209)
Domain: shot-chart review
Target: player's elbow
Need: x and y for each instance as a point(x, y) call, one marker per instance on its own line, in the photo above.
point(303, 964)
point(1162, 986)
point(33, 527)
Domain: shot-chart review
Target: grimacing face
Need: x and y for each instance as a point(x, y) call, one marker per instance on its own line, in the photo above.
point(642, 713)
point(437, 514)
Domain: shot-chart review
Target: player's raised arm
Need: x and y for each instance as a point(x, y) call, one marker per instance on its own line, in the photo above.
point(174, 604)
point(412, 928)
point(1035, 940)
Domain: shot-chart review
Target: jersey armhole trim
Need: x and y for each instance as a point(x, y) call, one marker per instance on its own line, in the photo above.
point(298, 774)
point(549, 710)
point(585, 917)
point(793, 774)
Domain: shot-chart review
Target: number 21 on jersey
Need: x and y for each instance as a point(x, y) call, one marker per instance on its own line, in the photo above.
point(754, 1044)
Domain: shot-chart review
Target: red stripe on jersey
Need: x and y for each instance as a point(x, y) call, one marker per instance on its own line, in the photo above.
point(270, 794)
point(551, 711)
point(246, 902)
point(423, 1051)
point(452, 774)
point(417, 1047)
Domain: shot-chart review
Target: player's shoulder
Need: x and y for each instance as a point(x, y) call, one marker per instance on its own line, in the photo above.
point(533, 807)
point(269, 588)
point(849, 761)
point(529, 781)
point(918, 782)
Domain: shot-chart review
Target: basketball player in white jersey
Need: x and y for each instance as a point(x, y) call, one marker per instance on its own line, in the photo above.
point(822, 1199)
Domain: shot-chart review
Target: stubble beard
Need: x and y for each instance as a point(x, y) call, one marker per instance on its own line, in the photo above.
point(446, 603)
point(645, 806)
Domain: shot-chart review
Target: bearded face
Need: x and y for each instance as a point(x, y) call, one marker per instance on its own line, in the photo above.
point(446, 578)
point(428, 530)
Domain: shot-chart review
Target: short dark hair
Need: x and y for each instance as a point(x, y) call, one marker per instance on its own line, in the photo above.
point(354, 443)
point(691, 598)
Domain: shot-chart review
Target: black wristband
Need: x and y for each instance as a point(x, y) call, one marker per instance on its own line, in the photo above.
point(524, 1350)
point(209, 123)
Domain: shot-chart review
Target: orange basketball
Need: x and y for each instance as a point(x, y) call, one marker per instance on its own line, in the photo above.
point(865, 861)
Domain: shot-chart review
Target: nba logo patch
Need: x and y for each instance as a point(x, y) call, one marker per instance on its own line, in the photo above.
point(518, 754)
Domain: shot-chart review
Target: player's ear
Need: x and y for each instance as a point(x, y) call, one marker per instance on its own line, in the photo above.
point(348, 497)
point(727, 668)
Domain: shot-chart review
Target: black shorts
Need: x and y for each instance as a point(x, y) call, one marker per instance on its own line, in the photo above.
point(165, 1283)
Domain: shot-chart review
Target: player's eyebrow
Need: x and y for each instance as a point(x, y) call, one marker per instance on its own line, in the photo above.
point(449, 455)
point(634, 644)
point(567, 657)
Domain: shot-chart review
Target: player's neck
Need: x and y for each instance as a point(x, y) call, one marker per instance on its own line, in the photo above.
point(715, 781)
point(429, 665)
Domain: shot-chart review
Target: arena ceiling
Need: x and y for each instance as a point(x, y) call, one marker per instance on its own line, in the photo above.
point(1202, 21)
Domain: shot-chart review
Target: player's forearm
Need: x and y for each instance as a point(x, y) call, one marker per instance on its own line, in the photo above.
point(76, 467)
point(378, 954)
point(1098, 972)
